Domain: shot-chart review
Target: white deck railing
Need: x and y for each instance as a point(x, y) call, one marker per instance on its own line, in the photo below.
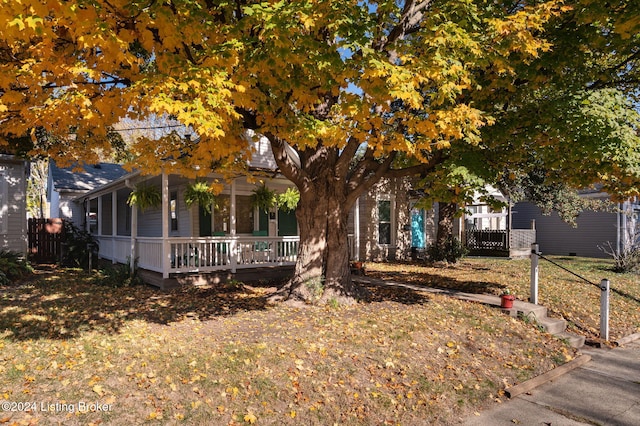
point(204, 254)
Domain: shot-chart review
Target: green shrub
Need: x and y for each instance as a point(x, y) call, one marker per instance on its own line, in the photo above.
point(13, 266)
point(77, 246)
point(452, 251)
point(119, 275)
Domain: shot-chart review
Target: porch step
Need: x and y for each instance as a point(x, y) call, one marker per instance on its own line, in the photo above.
point(553, 326)
point(519, 253)
point(574, 340)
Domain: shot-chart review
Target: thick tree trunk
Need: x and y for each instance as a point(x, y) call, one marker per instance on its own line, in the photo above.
point(322, 273)
point(446, 214)
point(329, 183)
point(338, 284)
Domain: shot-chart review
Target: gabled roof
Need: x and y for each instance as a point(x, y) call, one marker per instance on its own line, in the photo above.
point(92, 177)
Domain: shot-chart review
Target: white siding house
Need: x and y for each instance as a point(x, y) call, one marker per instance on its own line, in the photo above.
point(64, 184)
point(13, 203)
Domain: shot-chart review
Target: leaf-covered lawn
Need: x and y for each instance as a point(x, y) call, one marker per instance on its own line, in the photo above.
point(222, 355)
point(563, 294)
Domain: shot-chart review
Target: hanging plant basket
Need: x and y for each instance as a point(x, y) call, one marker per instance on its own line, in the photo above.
point(288, 200)
point(145, 196)
point(263, 198)
point(201, 193)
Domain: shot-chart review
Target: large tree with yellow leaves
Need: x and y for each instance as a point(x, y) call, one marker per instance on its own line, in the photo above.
point(360, 90)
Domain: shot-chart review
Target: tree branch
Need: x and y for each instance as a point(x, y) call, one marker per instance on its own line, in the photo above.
point(369, 181)
point(342, 165)
point(286, 164)
point(384, 170)
point(412, 15)
point(600, 83)
point(366, 164)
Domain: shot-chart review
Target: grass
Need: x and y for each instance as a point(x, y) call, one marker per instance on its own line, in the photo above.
point(563, 294)
point(222, 355)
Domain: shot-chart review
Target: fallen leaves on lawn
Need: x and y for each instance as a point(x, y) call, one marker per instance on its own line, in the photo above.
point(221, 355)
point(563, 294)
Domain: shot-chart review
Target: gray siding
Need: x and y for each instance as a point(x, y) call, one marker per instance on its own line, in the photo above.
point(557, 237)
point(69, 209)
point(150, 222)
point(124, 213)
point(13, 204)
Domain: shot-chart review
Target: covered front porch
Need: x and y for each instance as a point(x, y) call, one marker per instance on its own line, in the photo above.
point(174, 239)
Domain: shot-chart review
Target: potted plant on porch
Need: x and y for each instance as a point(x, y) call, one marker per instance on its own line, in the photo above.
point(263, 198)
point(506, 299)
point(202, 193)
point(145, 196)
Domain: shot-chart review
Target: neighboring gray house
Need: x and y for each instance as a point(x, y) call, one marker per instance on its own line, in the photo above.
point(65, 184)
point(13, 203)
point(595, 228)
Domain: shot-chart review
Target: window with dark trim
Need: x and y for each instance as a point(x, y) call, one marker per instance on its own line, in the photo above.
point(384, 222)
point(4, 205)
point(173, 210)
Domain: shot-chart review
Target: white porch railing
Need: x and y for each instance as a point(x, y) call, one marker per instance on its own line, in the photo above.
point(203, 254)
point(217, 253)
point(148, 253)
point(118, 249)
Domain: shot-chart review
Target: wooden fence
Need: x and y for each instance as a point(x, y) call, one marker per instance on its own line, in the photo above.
point(45, 240)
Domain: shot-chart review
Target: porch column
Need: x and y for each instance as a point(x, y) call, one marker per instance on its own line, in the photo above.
point(114, 225)
point(626, 241)
point(99, 217)
point(166, 247)
point(134, 236)
point(618, 229)
point(356, 229)
point(232, 226)
point(232, 212)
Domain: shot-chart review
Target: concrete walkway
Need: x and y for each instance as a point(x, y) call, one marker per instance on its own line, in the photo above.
point(604, 391)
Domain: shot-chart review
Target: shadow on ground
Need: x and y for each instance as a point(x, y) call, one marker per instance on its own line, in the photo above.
point(64, 303)
point(61, 304)
point(464, 283)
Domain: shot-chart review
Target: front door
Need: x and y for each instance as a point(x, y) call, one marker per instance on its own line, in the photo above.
point(205, 222)
point(417, 228)
point(287, 223)
point(263, 221)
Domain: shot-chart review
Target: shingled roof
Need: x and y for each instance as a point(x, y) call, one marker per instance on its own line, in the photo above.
point(93, 176)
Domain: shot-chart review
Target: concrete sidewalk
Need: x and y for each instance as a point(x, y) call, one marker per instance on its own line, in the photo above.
point(604, 391)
